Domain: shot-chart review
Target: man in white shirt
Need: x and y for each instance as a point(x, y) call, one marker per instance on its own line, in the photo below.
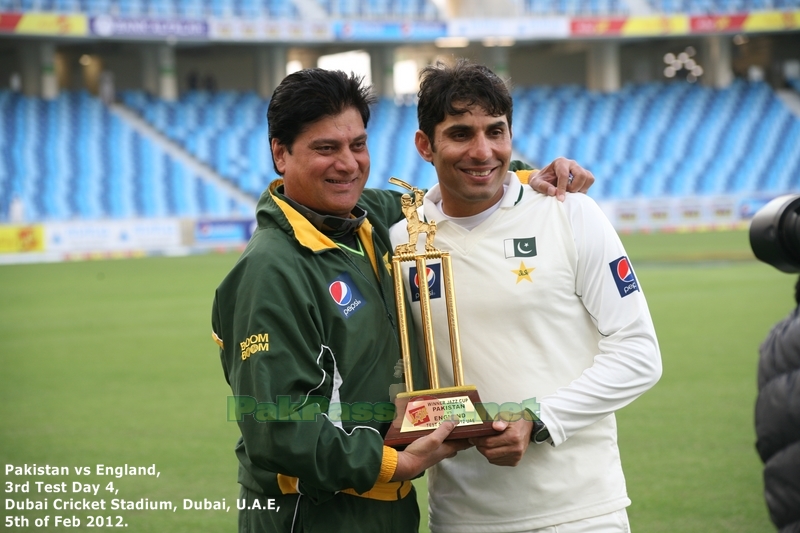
point(552, 320)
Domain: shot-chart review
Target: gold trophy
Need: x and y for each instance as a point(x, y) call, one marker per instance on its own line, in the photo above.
point(422, 411)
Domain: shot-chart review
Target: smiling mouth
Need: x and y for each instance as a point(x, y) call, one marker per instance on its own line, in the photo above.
point(340, 182)
point(479, 173)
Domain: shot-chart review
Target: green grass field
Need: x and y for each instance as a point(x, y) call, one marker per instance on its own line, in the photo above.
point(111, 362)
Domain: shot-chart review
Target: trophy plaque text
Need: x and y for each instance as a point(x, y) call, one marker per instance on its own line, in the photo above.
point(419, 412)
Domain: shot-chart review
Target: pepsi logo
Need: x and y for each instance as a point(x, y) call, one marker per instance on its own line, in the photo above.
point(345, 293)
point(623, 276)
point(433, 273)
point(624, 270)
point(341, 293)
point(430, 274)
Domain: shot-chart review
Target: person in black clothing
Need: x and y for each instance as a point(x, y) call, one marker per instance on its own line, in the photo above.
point(778, 419)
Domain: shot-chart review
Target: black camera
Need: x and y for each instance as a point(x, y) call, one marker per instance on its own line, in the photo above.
point(775, 233)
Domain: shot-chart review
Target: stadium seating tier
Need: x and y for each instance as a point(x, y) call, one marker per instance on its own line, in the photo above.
point(74, 158)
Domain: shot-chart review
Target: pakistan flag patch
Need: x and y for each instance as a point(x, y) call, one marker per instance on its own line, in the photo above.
point(520, 247)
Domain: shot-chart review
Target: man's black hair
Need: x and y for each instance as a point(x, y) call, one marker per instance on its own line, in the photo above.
point(451, 90)
point(309, 95)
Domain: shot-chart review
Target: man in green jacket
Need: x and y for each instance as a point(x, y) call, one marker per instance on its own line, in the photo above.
point(306, 326)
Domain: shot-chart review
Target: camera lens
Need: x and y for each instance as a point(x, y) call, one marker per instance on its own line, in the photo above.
point(775, 233)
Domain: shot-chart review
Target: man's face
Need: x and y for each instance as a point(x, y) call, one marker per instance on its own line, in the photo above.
point(471, 153)
point(329, 164)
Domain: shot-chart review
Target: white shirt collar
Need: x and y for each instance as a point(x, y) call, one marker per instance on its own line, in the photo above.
point(510, 197)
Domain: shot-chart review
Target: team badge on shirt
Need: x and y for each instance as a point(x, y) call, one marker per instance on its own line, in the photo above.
point(623, 276)
point(434, 272)
point(524, 272)
point(346, 295)
point(520, 247)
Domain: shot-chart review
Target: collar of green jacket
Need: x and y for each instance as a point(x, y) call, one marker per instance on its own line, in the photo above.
point(271, 206)
point(330, 225)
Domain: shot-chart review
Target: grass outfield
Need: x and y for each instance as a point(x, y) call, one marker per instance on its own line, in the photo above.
point(111, 362)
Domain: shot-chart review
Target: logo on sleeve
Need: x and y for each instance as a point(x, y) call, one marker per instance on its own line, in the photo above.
point(520, 247)
point(623, 276)
point(346, 295)
point(433, 274)
point(254, 344)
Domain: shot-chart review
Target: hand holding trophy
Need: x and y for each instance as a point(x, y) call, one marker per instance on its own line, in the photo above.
point(420, 412)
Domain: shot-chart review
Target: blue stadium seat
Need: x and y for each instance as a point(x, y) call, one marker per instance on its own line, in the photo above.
point(98, 7)
point(379, 9)
point(66, 6)
point(72, 158)
point(225, 130)
point(280, 9)
point(131, 8)
point(191, 9)
point(702, 7)
point(658, 140)
point(649, 140)
point(161, 8)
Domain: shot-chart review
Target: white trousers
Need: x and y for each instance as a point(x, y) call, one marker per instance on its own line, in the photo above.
point(616, 522)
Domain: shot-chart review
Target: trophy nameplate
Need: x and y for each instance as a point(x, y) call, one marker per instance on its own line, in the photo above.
point(419, 412)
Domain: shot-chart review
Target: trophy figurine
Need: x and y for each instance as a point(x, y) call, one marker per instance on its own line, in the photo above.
point(419, 412)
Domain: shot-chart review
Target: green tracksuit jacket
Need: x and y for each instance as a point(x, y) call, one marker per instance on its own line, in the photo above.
point(308, 342)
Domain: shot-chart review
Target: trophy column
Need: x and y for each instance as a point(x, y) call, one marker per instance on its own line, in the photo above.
point(419, 412)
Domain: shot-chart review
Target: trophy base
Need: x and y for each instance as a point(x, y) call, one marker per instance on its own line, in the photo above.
point(419, 413)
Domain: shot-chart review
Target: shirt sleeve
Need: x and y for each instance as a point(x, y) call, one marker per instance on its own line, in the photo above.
point(283, 378)
point(628, 361)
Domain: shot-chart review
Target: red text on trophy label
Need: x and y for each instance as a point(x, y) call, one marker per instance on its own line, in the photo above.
point(429, 413)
